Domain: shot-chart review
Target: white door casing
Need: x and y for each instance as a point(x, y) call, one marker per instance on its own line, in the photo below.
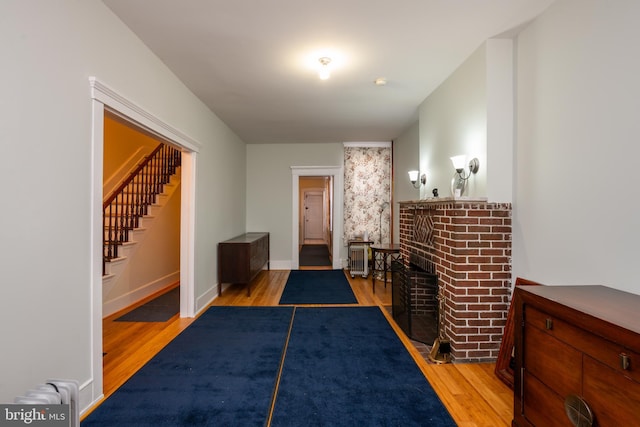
point(337, 172)
point(105, 98)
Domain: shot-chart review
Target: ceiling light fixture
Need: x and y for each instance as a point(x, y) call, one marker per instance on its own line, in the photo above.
point(325, 72)
point(380, 81)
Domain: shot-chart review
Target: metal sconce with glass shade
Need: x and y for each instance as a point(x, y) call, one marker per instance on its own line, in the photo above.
point(413, 177)
point(459, 180)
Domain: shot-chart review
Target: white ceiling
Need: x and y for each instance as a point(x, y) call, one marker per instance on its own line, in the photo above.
point(248, 60)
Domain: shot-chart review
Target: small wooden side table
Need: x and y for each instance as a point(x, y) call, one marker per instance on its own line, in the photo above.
point(381, 257)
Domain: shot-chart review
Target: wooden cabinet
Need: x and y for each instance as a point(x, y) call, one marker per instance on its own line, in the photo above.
point(576, 347)
point(240, 259)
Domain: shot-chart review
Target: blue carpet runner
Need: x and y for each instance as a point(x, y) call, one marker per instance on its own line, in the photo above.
point(278, 367)
point(317, 287)
point(345, 366)
point(220, 371)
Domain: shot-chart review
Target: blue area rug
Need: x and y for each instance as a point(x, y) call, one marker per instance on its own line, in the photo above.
point(220, 371)
point(159, 309)
point(317, 287)
point(345, 366)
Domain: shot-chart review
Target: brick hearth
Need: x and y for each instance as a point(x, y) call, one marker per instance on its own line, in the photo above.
point(467, 243)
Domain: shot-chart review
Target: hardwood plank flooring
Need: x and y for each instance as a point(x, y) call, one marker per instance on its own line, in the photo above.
point(472, 393)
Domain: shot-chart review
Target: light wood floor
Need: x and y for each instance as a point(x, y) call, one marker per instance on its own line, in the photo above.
point(471, 392)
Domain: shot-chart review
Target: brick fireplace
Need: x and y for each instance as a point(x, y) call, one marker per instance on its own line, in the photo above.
point(467, 243)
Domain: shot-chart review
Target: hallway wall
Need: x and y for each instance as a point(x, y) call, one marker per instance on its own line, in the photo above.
point(50, 49)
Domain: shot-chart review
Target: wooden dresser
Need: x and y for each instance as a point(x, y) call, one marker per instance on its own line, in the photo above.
point(577, 355)
point(240, 259)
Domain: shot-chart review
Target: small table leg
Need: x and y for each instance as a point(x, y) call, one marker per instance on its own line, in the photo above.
point(387, 253)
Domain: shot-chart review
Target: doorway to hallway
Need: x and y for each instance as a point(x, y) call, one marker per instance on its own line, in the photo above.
point(315, 221)
point(328, 181)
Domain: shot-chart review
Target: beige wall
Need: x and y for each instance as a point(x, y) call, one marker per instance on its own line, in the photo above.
point(124, 148)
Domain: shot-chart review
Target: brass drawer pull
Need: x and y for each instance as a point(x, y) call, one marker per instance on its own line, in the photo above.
point(625, 361)
point(548, 323)
point(578, 411)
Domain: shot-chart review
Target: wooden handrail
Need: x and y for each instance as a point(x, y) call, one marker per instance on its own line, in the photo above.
point(131, 176)
point(122, 210)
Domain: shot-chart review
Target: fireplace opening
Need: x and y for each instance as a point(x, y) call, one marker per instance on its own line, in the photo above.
point(415, 305)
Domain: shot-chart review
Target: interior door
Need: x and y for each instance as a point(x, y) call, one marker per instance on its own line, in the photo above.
point(313, 216)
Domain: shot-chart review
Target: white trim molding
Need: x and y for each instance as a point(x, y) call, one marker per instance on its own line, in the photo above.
point(372, 144)
point(129, 110)
point(107, 99)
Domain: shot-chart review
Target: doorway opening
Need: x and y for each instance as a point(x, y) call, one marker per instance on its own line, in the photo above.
point(317, 213)
point(105, 99)
point(316, 231)
point(141, 188)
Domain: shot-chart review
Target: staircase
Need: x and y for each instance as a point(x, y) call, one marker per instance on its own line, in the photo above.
point(131, 207)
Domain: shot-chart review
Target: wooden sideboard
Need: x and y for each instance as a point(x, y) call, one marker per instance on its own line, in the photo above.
point(241, 259)
point(577, 356)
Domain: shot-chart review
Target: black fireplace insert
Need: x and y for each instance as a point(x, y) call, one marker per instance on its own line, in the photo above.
point(414, 301)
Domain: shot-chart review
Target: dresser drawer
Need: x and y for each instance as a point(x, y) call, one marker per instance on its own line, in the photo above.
point(552, 361)
point(580, 345)
point(543, 406)
point(622, 361)
point(613, 398)
point(555, 327)
point(615, 356)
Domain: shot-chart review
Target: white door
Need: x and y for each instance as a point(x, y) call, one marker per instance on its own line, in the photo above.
point(313, 216)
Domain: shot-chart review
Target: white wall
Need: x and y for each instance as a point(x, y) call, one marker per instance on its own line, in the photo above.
point(576, 199)
point(406, 149)
point(500, 120)
point(453, 121)
point(269, 198)
point(471, 113)
point(49, 51)
point(577, 99)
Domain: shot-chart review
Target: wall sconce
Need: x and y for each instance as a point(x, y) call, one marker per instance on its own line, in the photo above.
point(413, 177)
point(459, 181)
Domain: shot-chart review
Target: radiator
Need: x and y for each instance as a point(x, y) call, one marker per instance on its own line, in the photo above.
point(359, 260)
point(55, 392)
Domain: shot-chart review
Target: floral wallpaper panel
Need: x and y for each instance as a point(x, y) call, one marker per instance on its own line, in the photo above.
point(367, 193)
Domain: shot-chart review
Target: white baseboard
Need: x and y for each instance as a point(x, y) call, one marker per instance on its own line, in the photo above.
point(206, 298)
point(279, 265)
